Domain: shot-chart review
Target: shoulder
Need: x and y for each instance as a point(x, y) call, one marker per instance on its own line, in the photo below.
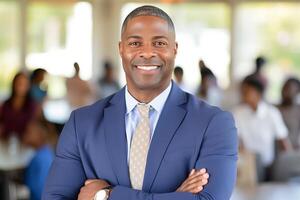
point(271, 109)
point(240, 110)
point(6, 103)
point(6, 107)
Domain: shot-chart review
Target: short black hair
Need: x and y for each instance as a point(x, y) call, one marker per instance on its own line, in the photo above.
point(35, 73)
point(294, 80)
point(148, 10)
point(254, 82)
point(107, 65)
point(260, 61)
point(178, 70)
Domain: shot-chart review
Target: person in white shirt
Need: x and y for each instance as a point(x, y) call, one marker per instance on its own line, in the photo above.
point(260, 125)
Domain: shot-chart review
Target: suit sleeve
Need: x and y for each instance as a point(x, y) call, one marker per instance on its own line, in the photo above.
point(217, 153)
point(66, 175)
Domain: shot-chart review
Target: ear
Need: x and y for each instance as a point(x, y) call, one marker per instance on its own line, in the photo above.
point(120, 48)
point(175, 48)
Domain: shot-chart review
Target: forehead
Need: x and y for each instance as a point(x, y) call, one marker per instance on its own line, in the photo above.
point(147, 25)
point(21, 77)
point(247, 87)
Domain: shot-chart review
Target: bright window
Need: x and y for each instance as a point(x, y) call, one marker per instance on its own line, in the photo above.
point(60, 34)
point(9, 45)
point(270, 29)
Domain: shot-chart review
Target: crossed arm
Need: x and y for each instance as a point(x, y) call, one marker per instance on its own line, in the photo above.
point(193, 184)
point(218, 155)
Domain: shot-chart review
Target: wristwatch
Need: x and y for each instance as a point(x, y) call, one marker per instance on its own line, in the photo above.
point(103, 194)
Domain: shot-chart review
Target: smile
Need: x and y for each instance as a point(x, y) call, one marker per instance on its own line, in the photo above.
point(147, 68)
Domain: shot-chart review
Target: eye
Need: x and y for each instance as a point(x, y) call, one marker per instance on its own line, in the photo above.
point(160, 44)
point(134, 44)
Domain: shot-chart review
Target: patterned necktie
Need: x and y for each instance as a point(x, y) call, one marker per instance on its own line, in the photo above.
point(139, 148)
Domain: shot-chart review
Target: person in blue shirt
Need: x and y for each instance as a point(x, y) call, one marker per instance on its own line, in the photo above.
point(37, 92)
point(37, 170)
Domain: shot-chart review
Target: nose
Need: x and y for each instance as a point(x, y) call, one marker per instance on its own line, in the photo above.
point(147, 51)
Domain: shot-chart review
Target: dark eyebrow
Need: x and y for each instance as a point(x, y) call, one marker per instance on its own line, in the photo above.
point(160, 37)
point(140, 37)
point(134, 37)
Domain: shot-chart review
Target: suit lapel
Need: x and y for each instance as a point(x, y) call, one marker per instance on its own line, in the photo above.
point(115, 136)
point(169, 120)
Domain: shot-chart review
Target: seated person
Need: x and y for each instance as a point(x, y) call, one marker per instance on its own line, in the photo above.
point(290, 110)
point(18, 109)
point(259, 124)
point(35, 136)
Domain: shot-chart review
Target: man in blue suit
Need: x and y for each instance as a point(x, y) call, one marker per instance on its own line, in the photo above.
point(149, 140)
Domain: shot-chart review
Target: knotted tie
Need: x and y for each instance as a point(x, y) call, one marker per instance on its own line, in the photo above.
point(139, 148)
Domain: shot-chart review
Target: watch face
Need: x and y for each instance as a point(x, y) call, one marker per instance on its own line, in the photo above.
point(101, 195)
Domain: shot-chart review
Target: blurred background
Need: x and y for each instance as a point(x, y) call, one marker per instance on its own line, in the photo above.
point(241, 55)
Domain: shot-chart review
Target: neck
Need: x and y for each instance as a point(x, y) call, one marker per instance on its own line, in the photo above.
point(18, 101)
point(254, 106)
point(146, 96)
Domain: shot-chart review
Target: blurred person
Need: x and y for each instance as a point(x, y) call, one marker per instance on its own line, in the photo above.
point(259, 124)
point(209, 89)
point(178, 75)
point(35, 136)
point(79, 92)
point(150, 140)
point(108, 84)
point(260, 63)
point(19, 109)
point(37, 90)
point(290, 110)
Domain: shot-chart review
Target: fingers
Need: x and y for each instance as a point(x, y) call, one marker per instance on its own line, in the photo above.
point(200, 171)
point(197, 176)
point(195, 182)
point(192, 172)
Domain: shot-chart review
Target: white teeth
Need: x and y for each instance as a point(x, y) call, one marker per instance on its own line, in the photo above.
point(147, 68)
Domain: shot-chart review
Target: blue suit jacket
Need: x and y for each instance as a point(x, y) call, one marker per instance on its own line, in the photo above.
point(189, 134)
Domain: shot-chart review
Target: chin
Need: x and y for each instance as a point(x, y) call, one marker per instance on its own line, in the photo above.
point(147, 84)
point(147, 87)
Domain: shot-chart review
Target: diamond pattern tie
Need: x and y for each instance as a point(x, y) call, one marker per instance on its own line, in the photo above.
point(139, 148)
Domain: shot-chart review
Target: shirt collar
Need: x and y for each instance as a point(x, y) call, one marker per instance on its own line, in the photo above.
point(157, 103)
point(260, 111)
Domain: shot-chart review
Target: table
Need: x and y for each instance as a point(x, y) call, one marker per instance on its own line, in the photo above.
point(14, 157)
point(268, 191)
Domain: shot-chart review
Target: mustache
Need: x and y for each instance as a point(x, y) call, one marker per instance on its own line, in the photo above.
point(150, 61)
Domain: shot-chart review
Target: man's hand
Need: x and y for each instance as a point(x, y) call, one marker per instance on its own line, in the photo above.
point(195, 182)
point(90, 188)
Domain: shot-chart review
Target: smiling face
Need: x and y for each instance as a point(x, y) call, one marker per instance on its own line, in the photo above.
point(148, 50)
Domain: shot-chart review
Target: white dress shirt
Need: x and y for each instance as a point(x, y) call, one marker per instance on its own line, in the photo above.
point(132, 114)
point(259, 129)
